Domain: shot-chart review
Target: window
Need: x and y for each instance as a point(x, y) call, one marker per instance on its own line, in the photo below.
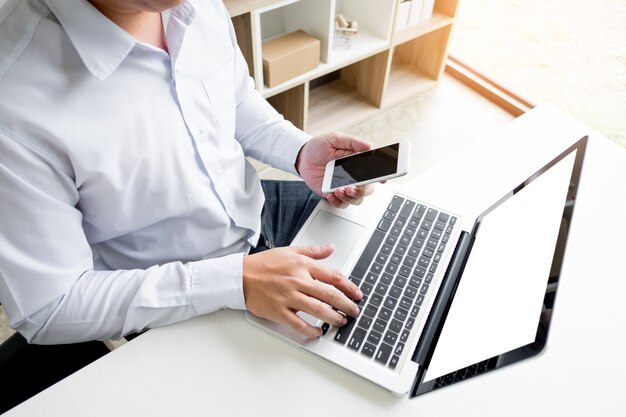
point(570, 53)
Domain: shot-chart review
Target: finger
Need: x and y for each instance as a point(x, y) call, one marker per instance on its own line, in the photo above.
point(336, 202)
point(348, 142)
point(319, 309)
point(342, 194)
point(360, 191)
point(301, 326)
point(315, 252)
point(332, 296)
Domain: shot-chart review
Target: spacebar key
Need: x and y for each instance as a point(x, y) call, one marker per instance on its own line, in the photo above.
point(368, 254)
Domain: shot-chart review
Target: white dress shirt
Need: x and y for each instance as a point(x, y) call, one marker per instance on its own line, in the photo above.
point(126, 201)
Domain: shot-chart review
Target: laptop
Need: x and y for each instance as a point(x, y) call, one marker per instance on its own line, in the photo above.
point(442, 304)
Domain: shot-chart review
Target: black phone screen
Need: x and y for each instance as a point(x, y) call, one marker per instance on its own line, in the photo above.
point(366, 166)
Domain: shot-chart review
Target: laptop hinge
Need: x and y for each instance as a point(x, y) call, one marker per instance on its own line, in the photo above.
point(437, 317)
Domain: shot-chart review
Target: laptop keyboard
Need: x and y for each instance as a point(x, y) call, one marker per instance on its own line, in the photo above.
point(395, 272)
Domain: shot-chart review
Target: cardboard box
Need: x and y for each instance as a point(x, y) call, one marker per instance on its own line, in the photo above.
point(289, 56)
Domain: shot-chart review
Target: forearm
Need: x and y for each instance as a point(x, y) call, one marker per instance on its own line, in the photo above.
point(110, 304)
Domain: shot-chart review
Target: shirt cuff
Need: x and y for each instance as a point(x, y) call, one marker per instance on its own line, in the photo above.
point(293, 139)
point(218, 284)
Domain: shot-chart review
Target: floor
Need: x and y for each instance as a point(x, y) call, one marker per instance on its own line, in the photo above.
point(439, 123)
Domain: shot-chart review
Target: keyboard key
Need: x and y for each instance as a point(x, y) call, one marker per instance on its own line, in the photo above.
point(404, 336)
point(400, 249)
point(368, 349)
point(391, 268)
point(374, 337)
point(428, 252)
point(409, 323)
point(389, 215)
point(409, 231)
point(355, 280)
point(401, 314)
point(429, 278)
point(399, 348)
point(395, 291)
point(325, 328)
point(394, 208)
point(376, 268)
point(405, 240)
point(395, 231)
point(395, 258)
point(407, 209)
point(386, 278)
point(404, 271)
point(400, 281)
point(357, 338)
point(406, 303)
point(376, 300)
point(414, 223)
point(435, 234)
point(409, 261)
point(381, 258)
point(419, 272)
point(384, 225)
point(411, 291)
point(370, 311)
point(366, 288)
point(414, 311)
point(391, 240)
point(396, 199)
point(380, 325)
point(371, 278)
point(420, 210)
point(426, 225)
point(433, 267)
point(422, 234)
point(395, 326)
point(391, 302)
point(424, 261)
point(400, 223)
point(413, 252)
point(419, 300)
point(424, 289)
point(386, 249)
point(390, 337)
point(344, 332)
point(381, 289)
point(385, 314)
point(453, 220)
point(394, 361)
point(383, 353)
point(444, 217)
point(418, 242)
point(365, 322)
point(439, 225)
point(431, 214)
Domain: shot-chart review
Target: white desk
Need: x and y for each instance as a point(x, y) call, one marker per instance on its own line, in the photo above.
point(222, 365)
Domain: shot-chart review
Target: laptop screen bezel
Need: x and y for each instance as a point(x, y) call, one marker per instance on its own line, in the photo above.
point(436, 320)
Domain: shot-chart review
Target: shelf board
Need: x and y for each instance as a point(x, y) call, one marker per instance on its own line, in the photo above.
point(438, 21)
point(405, 83)
point(364, 45)
point(335, 106)
point(239, 7)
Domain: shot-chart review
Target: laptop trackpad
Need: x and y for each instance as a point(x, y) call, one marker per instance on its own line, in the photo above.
point(327, 228)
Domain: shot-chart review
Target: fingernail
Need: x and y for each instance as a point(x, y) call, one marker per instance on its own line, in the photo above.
point(351, 192)
point(359, 294)
point(344, 321)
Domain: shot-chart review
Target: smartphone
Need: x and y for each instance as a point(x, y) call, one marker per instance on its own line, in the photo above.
point(375, 165)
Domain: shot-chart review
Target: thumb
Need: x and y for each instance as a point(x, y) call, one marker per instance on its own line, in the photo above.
point(316, 252)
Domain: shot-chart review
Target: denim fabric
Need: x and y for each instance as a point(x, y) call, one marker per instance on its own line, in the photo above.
point(287, 206)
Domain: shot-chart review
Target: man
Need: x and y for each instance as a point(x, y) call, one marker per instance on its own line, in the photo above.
point(126, 200)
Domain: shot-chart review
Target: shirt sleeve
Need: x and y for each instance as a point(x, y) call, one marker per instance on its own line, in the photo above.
point(263, 133)
point(48, 285)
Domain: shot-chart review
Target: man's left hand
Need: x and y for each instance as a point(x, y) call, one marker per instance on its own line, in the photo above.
point(312, 160)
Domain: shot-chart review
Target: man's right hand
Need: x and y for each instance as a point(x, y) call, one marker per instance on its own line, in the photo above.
point(278, 283)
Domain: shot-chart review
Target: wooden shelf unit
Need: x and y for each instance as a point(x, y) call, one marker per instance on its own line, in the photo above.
point(382, 68)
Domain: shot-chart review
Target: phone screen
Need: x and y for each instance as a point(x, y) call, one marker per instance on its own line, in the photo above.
point(366, 166)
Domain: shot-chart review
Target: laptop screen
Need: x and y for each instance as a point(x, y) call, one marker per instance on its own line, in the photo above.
point(510, 278)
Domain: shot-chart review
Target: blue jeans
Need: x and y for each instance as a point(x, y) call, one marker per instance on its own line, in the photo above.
point(287, 206)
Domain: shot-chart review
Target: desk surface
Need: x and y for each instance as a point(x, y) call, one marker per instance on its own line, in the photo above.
point(220, 364)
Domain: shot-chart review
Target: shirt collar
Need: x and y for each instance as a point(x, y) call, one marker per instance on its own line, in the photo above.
point(101, 44)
